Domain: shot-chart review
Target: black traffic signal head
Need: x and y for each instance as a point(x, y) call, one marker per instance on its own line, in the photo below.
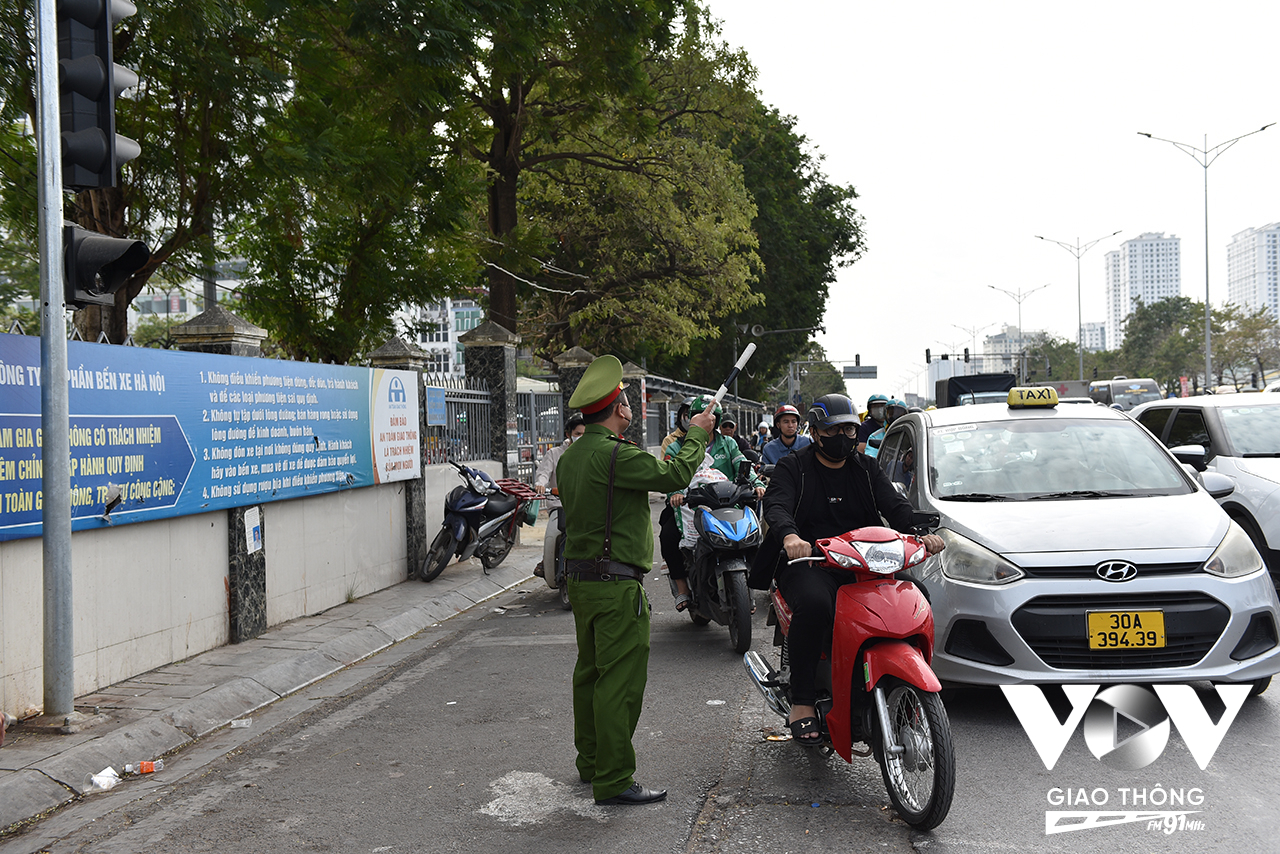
point(926, 355)
point(97, 265)
point(88, 83)
point(966, 354)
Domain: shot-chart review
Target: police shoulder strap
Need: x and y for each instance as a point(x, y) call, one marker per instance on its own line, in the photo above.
point(608, 506)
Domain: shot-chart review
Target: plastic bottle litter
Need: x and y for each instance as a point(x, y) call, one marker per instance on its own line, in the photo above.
point(144, 767)
point(241, 723)
point(105, 779)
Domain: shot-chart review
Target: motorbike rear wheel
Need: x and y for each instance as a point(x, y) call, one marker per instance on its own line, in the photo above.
point(496, 550)
point(735, 590)
point(921, 779)
point(442, 549)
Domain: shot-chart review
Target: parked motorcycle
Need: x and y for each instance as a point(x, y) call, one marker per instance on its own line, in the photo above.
point(481, 517)
point(728, 535)
point(875, 685)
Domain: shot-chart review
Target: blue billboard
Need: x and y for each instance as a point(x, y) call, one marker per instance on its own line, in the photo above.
point(171, 433)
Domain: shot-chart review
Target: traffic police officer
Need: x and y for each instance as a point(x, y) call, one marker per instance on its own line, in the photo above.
point(608, 548)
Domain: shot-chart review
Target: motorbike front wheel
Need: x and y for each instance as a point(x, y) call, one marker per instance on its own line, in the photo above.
point(735, 589)
point(442, 549)
point(922, 778)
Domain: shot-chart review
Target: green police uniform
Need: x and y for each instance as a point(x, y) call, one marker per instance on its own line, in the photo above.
point(611, 616)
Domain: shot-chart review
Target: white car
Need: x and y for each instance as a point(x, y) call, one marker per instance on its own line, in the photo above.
point(1240, 438)
point(1078, 550)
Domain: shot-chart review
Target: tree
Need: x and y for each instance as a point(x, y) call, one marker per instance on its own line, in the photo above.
point(1249, 341)
point(549, 69)
point(644, 261)
point(1162, 340)
point(359, 206)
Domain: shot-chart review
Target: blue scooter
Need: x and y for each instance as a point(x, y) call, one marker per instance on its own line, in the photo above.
point(481, 518)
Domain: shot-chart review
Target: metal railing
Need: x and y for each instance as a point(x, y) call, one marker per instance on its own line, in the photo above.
point(466, 435)
point(540, 427)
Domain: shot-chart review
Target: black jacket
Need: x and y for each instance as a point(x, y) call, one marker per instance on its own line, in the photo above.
point(793, 492)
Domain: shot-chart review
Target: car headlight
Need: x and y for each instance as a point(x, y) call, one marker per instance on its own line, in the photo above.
point(1235, 555)
point(965, 560)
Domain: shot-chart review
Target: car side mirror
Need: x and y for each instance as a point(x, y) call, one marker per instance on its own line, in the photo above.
point(1217, 484)
point(1192, 455)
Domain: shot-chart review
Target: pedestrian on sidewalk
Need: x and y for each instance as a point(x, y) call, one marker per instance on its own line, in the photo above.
point(605, 483)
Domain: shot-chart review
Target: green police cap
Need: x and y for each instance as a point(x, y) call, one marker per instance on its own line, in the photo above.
point(600, 385)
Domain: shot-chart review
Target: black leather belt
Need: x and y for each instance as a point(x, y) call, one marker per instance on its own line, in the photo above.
point(594, 570)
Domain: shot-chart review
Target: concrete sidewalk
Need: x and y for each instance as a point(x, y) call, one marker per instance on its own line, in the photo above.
point(165, 709)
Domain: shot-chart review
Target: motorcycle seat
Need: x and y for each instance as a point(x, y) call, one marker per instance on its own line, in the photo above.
point(501, 503)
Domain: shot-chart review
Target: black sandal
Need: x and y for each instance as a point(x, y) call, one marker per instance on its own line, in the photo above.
point(806, 732)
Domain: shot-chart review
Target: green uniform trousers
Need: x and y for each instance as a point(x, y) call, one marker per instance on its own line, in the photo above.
point(612, 622)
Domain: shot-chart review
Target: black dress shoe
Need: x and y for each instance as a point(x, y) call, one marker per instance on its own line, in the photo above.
point(637, 794)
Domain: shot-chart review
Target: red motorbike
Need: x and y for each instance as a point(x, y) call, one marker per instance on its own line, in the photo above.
point(875, 685)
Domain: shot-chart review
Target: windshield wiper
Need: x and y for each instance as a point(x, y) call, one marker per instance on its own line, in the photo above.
point(1078, 493)
point(974, 496)
point(1262, 454)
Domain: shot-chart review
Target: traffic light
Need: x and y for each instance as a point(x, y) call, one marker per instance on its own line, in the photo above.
point(1095, 372)
point(88, 83)
point(926, 355)
point(98, 265)
point(966, 355)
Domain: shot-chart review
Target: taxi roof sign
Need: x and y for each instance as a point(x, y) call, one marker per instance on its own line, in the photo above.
point(1026, 396)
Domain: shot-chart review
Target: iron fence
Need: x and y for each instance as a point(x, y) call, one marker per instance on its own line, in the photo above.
point(466, 434)
point(540, 426)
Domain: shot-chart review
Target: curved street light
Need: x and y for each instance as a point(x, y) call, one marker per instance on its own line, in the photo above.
point(1078, 250)
point(1018, 298)
point(1205, 157)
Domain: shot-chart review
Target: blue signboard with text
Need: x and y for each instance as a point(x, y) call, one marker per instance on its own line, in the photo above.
point(175, 433)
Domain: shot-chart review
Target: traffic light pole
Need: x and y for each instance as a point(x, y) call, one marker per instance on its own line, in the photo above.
point(55, 451)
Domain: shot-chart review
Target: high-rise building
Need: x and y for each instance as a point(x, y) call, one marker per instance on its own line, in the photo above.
point(1143, 270)
point(1094, 335)
point(1253, 268)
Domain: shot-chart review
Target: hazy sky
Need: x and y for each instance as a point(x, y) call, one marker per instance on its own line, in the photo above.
point(969, 128)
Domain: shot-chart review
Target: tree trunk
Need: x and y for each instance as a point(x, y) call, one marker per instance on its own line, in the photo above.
point(504, 161)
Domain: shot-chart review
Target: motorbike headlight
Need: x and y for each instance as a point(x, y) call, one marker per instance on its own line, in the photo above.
point(1235, 555)
point(965, 560)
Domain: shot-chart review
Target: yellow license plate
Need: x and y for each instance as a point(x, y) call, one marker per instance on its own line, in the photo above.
point(1125, 629)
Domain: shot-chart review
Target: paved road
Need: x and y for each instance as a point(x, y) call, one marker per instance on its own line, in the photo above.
point(459, 739)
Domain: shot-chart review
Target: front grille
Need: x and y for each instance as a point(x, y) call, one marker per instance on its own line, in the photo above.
point(1145, 570)
point(1054, 628)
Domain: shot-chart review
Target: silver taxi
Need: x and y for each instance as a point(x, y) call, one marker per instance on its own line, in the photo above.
point(1078, 550)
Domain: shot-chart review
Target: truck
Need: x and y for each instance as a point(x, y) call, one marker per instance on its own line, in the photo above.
point(974, 388)
point(1068, 388)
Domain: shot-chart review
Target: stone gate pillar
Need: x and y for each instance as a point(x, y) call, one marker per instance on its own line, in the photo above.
point(490, 355)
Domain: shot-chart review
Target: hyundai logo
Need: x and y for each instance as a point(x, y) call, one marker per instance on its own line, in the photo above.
point(1116, 570)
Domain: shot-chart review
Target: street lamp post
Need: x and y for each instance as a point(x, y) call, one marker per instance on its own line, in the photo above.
point(1018, 298)
point(1078, 250)
point(973, 338)
point(1205, 157)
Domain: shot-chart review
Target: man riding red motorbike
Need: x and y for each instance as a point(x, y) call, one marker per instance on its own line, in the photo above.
point(823, 490)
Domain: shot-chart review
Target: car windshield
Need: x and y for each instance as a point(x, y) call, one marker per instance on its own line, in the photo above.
point(1252, 429)
point(973, 397)
point(1020, 460)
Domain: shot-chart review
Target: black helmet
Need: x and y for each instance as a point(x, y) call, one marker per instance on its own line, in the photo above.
point(831, 409)
point(574, 420)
